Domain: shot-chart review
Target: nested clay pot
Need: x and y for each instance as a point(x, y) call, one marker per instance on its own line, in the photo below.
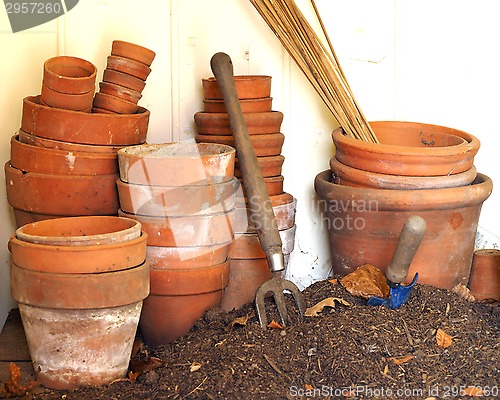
point(264, 104)
point(25, 217)
point(120, 91)
point(177, 257)
point(128, 66)
point(178, 298)
point(122, 79)
point(257, 123)
point(176, 164)
point(76, 102)
point(115, 104)
point(264, 145)
point(132, 51)
point(274, 185)
point(364, 226)
point(84, 128)
point(247, 87)
point(269, 166)
point(70, 75)
point(247, 245)
point(484, 280)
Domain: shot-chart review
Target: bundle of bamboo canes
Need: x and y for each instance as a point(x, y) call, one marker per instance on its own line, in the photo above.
point(320, 66)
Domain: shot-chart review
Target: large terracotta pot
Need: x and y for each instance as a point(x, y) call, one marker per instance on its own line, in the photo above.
point(263, 145)
point(364, 225)
point(257, 123)
point(484, 281)
point(247, 87)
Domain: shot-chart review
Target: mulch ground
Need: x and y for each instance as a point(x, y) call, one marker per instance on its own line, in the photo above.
point(350, 351)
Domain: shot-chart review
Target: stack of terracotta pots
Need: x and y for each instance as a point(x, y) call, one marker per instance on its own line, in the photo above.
point(80, 283)
point(249, 268)
point(372, 188)
point(184, 196)
point(124, 78)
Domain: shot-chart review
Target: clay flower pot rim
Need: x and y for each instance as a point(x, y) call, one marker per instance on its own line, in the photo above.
point(241, 77)
point(132, 50)
point(51, 67)
point(175, 150)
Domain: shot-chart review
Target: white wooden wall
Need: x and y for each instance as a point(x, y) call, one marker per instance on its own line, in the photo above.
point(424, 61)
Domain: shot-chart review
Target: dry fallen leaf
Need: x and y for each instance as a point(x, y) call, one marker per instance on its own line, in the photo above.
point(386, 369)
point(194, 367)
point(366, 281)
point(137, 368)
point(473, 391)
point(274, 324)
point(238, 321)
point(401, 360)
point(463, 292)
point(308, 387)
point(328, 302)
point(12, 387)
point(443, 339)
point(333, 281)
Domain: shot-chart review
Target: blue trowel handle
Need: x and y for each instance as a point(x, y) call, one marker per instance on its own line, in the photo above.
point(409, 240)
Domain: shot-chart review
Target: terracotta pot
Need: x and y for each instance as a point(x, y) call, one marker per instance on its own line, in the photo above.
point(178, 299)
point(257, 123)
point(25, 217)
point(177, 257)
point(132, 51)
point(176, 164)
point(68, 195)
point(246, 276)
point(264, 145)
point(269, 166)
point(84, 128)
point(274, 185)
point(70, 75)
point(186, 231)
point(69, 259)
point(409, 148)
point(98, 110)
point(80, 231)
point(28, 138)
point(128, 66)
point(364, 225)
point(247, 245)
point(119, 78)
point(31, 158)
point(247, 87)
point(172, 201)
point(484, 281)
point(115, 104)
point(348, 176)
point(120, 91)
point(76, 102)
point(280, 199)
point(247, 105)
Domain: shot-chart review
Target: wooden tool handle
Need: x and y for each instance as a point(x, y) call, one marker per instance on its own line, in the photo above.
point(259, 203)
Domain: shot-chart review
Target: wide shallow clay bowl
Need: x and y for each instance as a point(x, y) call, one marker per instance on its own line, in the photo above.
point(409, 148)
point(128, 66)
point(70, 75)
point(68, 101)
point(484, 281)
point(84, 128)
point(30, 158)
point(247, 87)
point(364, 226)
point(120, 91)
point(269, 166)
point(132, 51)
point(80, 231)
point(115, 104)
point(122, 79)
point(68, 195)
point(69, 259)
point(264, 104)
point(345, 175)
point(176, 164)
point(274, 185)
point(263, 145)
point(257, 123)
point(171, 201)
point(247, 245)
point(177, 257)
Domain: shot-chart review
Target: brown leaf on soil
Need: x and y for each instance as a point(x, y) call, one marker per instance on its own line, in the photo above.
point(238, 321)
point(194, 367)
point(12, 388)
point(328, 302)
point(333, 281)
point(473, 391)
point(463, 292)
point(443, 339)
point(308, 387)
point(274, 324)
point(366, 281)
point(401, 360)
point(137, 368)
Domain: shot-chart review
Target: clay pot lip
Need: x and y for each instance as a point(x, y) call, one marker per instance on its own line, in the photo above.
point(251, 105)
point(160, 188)
point(251, 117)
point(66, 101)
point(153, 219)
point(416, 200)
point(260, 138)
point(116, 104)
point(52, 78)
point(487, 252)
point(239, 78)
point(114, 89)
point(118, 230)
point(128, 66)
point(123, 79)
point(9, 167)
point(133, 51)
point(258, 123)
point(191, 151)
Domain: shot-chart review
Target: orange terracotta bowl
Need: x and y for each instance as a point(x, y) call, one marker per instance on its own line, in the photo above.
point(264, 145)
point(122, 79)
point(176, 257)
point(247, 105)
point(274, 185)
point(68, 101)
point(257, 123)
point(128, 66)
point(120, 91)
point(70, 75)
point(269, 166)
point(247, 87)
point(132, 51)
point(115, 104)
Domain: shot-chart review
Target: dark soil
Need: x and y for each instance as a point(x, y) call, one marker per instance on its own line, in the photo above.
point(345, 352)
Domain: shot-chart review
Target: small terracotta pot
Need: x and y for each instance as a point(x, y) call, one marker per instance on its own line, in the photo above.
point(409, 148)
point(120, 91)
point(186, 231)
point(174, 201)
point(68, 195)
point(348, 176)
point(264, 145)
point(119, 78)
point(132, 51)
point(364, 226)
point(247, 245)
point(484, 281)
point(178, 299)
point(84, 128)
point(257, 123)
point(280, 199)
point(80, 231)
point(75, 102)
point(70, 259)
point(128, 66)
point(70, 75)
point(176, 164)
point(247, 105)
point(30, 158)
point(269, 166)
point(116, 104)
point(274, 185)
point(247, 87)
point(177, 257)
